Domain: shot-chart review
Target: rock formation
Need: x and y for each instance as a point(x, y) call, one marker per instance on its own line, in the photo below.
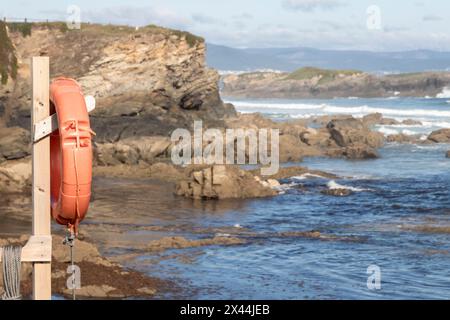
point(223, 182)
point(440, 136)
point(320, 83)
point(146, 82)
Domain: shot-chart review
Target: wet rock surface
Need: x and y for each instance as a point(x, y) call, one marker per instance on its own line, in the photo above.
point(440, 136)
point(101, 278)
point(14, 143)
point(15, 175)
point(222, 182)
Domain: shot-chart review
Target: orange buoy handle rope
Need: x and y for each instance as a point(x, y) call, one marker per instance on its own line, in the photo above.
point(70, 154)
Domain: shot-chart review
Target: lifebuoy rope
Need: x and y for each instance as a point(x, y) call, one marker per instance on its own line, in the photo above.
point(11, 257)
point(75, 125)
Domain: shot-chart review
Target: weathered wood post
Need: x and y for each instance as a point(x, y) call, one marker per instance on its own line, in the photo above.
point(41, 174)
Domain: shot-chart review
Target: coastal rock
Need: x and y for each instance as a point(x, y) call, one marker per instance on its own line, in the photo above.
point(222, 182)
point(360, 151)
point(357, 151)
point(14, 143)
point(147, 82)
point(448, 154)
point(372, 119)
point(346, 132)
point(181, 242)
point(412, 122)
point(291, 148)
point(131, 151)
point(402, 138)
point(15, 175)
point(320, 138)
point(388, 122)
point(308, 82)
point(440, 136)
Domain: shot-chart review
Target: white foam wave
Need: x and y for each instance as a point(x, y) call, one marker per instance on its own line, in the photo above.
point(444, 94)
point(327, 108)
point(334, 185)
point(387, 131)
point(387, 112)
point(307, 175)
point(409, 132)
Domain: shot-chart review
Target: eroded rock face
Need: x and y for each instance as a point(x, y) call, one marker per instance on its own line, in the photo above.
point(440, 136)
point(15, 175)
point(14, 143)
point(222, 182)
point(354, 139)
point(132, 151)
point(402, 138)
point(146, 82)
point(350, 131)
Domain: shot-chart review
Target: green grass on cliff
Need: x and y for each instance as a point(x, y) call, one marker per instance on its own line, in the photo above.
point(326, 75)
point(8, 59)
point(111, 30)
point(23, 27)
point(26, 28)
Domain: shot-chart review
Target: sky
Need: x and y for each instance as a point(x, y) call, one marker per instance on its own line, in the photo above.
point(377, 25)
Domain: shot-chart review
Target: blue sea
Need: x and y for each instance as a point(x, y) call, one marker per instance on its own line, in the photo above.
point(397, 219)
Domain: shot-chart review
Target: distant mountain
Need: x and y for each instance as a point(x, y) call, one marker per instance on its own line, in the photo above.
point(290, 59)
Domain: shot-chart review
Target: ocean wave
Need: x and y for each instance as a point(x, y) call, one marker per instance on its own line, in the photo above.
point(334, 185)
point(387, 131)
point(387, 112)
point(358, 110)
point(307, 175)
point(285, 106)
point(444, 94)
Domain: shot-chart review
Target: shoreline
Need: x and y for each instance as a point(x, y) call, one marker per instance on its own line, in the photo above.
point(135, 234)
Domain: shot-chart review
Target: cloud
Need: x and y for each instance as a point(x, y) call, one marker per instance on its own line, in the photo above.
point(311, 5)
point(431, 17)
point(204, 19)
point(243, 16)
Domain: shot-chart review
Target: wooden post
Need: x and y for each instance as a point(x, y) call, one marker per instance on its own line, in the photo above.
point(41, 173)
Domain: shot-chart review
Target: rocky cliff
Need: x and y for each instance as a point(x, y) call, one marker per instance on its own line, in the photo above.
point(147, 81)
point(320, 83)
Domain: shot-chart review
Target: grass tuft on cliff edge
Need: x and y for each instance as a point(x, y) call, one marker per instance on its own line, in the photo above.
point(8, 59)
point(325, 74)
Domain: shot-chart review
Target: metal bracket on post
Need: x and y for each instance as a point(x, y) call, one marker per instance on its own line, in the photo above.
point(37, 249)
point(45, 127)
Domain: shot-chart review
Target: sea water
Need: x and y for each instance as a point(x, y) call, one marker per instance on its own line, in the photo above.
point(397, 218)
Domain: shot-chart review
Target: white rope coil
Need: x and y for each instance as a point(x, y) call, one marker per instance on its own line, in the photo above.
point(11, 258)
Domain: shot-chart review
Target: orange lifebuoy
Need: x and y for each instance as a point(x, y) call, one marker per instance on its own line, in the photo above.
point(70, 154)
